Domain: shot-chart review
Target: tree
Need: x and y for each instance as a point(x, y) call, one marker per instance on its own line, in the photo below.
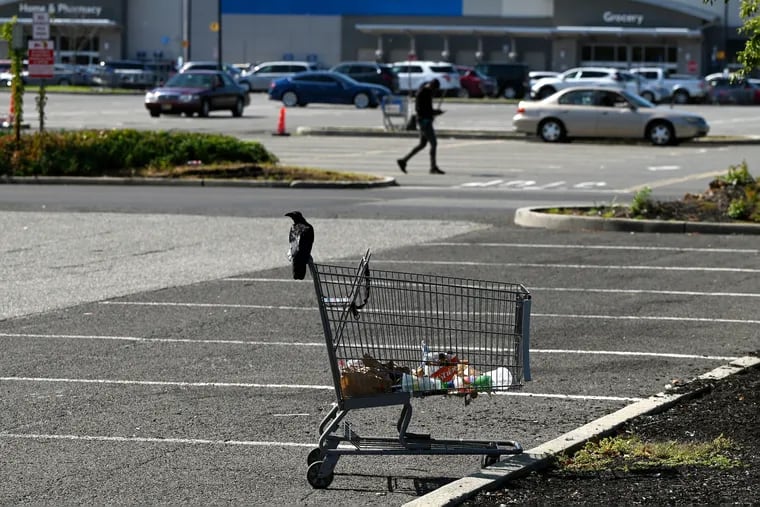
point(749, 57)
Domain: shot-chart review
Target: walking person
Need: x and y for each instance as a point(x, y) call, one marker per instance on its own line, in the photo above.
point(423, 106)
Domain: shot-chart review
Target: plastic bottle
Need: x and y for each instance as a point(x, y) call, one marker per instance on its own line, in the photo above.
point(482, 383)
point(501, 377)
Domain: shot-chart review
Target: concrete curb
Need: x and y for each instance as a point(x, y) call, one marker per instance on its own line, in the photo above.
point(540, 457)
point(194, 182)
point(537, 217)
point(498, 135)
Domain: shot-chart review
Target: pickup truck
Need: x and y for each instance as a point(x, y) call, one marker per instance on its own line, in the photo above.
point(678, 88)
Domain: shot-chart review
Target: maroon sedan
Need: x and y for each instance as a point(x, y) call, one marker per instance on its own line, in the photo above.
point(198, 91)
point(474, 84)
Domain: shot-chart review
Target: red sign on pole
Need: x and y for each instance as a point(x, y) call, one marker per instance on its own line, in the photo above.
point(691, 66)
point(41, 57)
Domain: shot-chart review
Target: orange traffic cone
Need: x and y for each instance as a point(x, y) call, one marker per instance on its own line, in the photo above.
point(281, 124)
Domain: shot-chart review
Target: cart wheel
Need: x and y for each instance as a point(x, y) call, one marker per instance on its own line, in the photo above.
point(312, 475)
point(314, 456)
point(487, 460)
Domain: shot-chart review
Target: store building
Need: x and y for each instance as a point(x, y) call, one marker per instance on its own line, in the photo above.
point(83, 32)
point(685, 35)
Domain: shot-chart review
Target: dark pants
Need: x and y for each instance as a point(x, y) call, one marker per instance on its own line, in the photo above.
point(427, 135)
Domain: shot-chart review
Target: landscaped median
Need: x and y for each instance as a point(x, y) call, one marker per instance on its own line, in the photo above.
point(150, 157)
point(731, 205)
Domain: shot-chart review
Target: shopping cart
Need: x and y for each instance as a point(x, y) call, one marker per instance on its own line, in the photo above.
point(392, 336)
point(395, 109)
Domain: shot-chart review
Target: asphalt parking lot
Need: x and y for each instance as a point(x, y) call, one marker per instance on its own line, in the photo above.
point(155, 349)
point(199, 384)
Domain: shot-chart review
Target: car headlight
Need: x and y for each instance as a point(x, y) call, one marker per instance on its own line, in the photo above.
point(151, 97)
point(188, 97)
point(695, 121)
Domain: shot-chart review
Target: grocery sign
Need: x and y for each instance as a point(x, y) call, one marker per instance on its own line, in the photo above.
point(41, 58)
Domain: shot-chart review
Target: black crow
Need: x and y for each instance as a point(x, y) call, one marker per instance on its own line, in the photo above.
point(301, 239)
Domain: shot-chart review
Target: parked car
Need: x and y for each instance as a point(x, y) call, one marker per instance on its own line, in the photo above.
point(63, 75)
point(125, 74)
point(604, 112)
point(261, 76)
point(326, 87)
point(593, 76)
point(197, 91)
point(732, 90)
point(535, 75)
point(414, 73)
point(512, 79)
point(475, 84)
point(680, 88)
point(369, 72)
point(230, 69)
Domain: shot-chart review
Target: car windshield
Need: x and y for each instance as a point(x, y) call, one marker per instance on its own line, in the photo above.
point(444, 69)
point(190, 80)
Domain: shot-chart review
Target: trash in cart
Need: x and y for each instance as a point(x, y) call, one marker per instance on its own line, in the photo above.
point(395, 336)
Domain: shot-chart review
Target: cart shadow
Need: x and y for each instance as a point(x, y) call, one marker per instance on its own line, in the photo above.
point(395, 483)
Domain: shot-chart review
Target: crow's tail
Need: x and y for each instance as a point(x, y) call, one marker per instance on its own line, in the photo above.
point(299, 270)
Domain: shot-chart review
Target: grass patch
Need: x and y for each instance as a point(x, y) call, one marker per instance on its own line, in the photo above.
point(261, 172)
point(631, 454)
point(133, 153)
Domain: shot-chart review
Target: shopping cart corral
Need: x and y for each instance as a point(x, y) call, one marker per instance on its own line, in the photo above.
point(395, 109)
point(393, 336)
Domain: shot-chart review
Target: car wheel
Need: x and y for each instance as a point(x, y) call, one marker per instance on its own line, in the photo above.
point(509, 93)
point(648, 96)
point(361, 100)
point(681, 97)
point(463, 93)
point(155, 113)
point(545, 92)
point(661, 133)
point(237, 111)
point(290, 99)
point(551, 130)
point(64, 82)
point(205, 109)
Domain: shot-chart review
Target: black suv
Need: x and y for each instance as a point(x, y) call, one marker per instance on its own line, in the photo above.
point(369, 72)
point(512, 78)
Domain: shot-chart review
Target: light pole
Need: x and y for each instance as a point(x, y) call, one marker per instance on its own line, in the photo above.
point(219, 34)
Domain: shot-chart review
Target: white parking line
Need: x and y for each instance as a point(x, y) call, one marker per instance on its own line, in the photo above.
point(597, 247)
point(570, 266)
point(560, 289)
point(322, 344)
point(552, 315)
point(278, 386)
point(153, 440)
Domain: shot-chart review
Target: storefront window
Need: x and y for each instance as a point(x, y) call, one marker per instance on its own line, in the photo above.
point(604, 53)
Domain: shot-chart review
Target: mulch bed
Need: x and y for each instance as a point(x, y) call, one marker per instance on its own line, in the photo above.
point(731, 409)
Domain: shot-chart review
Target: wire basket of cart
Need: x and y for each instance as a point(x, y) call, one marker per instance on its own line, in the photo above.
point(395, 112)
point(393, 336)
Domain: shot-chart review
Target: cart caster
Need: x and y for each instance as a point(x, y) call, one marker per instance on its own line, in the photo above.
point(487, 460)
point(312, 475)
point(314, 456)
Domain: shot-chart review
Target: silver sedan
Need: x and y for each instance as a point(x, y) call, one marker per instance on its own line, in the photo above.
point(602, 112)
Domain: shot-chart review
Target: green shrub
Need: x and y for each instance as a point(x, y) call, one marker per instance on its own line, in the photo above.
point(738, 175)
point(101, 152)
point(641, 201)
